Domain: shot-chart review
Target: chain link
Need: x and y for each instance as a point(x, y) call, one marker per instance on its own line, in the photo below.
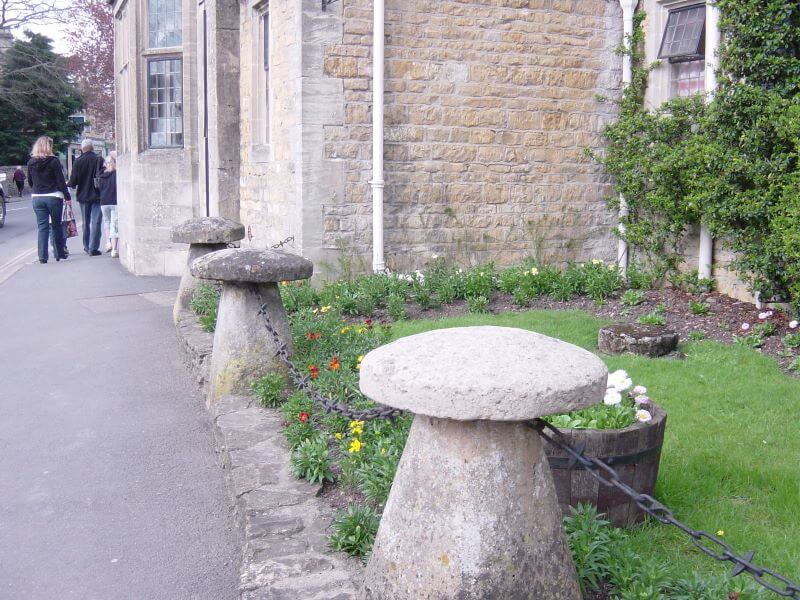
point(303, 382)
point(707, 543)
point(282, 243)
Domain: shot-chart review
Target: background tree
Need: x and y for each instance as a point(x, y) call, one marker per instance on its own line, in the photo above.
point(18, 13)
point(36, 98)
point(91, 40)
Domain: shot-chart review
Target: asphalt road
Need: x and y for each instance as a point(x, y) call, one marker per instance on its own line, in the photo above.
point(17, 237)
point(109, 485)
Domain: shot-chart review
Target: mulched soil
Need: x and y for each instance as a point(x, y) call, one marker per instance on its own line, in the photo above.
point(723, 322)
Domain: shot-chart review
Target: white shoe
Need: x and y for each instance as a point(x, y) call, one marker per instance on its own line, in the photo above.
point(114, 254)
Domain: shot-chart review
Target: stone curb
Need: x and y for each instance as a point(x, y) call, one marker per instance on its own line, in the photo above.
point(283, 523)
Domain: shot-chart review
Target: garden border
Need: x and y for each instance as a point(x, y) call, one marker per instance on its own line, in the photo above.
point(282, 522)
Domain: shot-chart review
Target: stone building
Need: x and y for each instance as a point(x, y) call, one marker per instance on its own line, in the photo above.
point(264, 111)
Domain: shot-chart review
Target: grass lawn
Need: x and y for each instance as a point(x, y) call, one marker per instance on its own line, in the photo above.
point(731, 458)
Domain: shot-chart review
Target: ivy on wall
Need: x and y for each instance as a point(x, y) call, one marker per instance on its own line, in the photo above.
point(733, 162)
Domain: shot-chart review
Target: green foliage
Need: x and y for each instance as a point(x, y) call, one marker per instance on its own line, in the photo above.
point(396, 306)
point(479, 282)
point(205, 303)
point(36, 98)
point(353, 531)
point(697, 336)
point(633, 297)
point(792, 340)
point(653, 318)
point(692, 282)
point(733, 162)
point(751, 340)
point(765, 329)
point(598, 416)
point(639, 279)
point(699, 308)
point(311, 460)
point(269, 389)
point(795, 365)
point(478, 304)
point(298, 295)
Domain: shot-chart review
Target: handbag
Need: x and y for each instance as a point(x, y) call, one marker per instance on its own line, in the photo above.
point(68, 218)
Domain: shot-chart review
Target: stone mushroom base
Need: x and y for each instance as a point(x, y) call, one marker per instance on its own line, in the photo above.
point(477, 509)
point(189, 283)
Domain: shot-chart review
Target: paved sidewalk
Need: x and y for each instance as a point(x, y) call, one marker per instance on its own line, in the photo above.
point(109, 484)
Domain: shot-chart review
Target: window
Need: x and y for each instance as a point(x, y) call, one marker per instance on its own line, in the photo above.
point(683, 45)
point(165, 102)
point(261, 78)
point(164, 23)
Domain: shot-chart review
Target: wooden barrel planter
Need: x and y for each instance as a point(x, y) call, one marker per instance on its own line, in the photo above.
point(634, 452)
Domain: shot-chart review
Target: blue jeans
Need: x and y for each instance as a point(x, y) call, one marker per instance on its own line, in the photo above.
point(48, 212)
point(92, 225)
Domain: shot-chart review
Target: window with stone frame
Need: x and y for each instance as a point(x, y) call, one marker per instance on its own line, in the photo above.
point(165, 102)
point(164, 23)
point(683, 46)
point(261, 75)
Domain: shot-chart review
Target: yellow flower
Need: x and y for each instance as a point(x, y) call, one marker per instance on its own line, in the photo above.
point(355, 446)
point(612, 267)
point(284, 283)
point(315, 311)
point(361, 329)
point(356, 427)
point(534, 271)
point(597, 261)
point(720, 533)
point(337, 435)
point(344, 330)
point(324, 309)
point(360, 358)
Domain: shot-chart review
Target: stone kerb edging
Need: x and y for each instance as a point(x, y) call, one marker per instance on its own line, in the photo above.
point(283, 523)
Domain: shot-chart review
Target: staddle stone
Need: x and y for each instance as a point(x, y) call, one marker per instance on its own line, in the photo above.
point(244, 350)
point(207, 230)
point(252, 265)
point(473, 512)
point(637, 338)
point(204, 235)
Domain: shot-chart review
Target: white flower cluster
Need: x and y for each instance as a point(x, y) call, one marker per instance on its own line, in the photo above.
point(619, 382)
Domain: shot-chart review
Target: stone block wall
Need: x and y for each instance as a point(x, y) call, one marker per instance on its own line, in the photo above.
point(489, 107)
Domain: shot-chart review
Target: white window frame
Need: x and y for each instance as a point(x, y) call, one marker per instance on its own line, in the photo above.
point(659, 85)
point(261, 101)
point(148, 60)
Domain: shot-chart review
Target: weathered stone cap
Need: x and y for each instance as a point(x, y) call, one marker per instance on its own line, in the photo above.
point(207, 230)
point(252, 265)
point(483, 373)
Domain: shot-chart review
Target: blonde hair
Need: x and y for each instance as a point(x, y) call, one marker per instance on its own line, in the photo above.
point(43, 147)
point(111, 161)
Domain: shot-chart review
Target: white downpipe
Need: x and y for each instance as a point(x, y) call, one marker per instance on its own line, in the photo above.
point(378, 263)
point(706, 251)
point(628, 6)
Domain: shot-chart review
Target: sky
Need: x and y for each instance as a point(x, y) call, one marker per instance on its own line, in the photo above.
point(54, 31)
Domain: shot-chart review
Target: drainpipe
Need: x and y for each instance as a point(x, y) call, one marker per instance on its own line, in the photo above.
point(706, 251)
point(628, 6)
point(378, 264)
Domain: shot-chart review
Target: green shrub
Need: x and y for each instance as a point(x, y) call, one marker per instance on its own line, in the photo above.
point(447, 289)
point(638, 279)
point(795, 365)
point(633, 297)
point(353, 531)
point(697, 336)
point(205, 304)
point(792, 340)
point(699, 308)
point(375, 477)
point(478, 304)
point(311, 460)
point(765, 329)
point(298, 295)
point(692, 283)
point(601, 280)
point(479, 282)
point(508, 280)
point(653, 318)
point(269, 389)
point(396, 305)
point(590, 539)
point(752, 340)
point(424, 298)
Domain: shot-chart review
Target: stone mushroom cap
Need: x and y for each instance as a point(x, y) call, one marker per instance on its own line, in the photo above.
point(252, 265)
point(483, 373)
point(207, 230)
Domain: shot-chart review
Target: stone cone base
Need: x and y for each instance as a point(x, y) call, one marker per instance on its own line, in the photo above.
point(243, 348)
point(472, 514)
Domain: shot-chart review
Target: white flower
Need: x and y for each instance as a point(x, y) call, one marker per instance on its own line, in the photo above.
point(612, 398)
point(745, 326)
point(639, 390)
point(612, 267)
point(793, 324)
point(597, 261)
point(641, 399)
point(643, 416)
point(434, 256)
point(534, 271)
point(765, 315)
point(619, 380)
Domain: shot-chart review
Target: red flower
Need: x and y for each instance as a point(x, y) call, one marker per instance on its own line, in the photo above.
point(303, 417)
point(317, 335)
point(368, 323)
point(334, 365)
point(313, 336)
point(313, 371)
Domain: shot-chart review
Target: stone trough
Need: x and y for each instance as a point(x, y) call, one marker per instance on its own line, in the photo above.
point(645, 340)
point(473, 512)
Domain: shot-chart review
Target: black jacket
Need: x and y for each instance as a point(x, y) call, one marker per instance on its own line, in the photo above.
point(86, 168)
point(45, 176)
point(108, 188)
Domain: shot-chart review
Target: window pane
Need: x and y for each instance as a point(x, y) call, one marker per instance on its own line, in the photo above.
point(684, 33)
point(164, 23)
point(165, 98)
point(687, 78)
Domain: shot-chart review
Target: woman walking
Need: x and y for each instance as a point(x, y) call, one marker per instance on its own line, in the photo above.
point(108, 203)
point(49, 188)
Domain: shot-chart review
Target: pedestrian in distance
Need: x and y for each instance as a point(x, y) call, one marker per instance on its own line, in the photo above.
point(85, 171)
point(108, 203)
point(49, 191)
point(19, 179)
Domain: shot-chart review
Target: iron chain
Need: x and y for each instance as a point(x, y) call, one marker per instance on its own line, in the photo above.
point(282, 243)
point(707, 543)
